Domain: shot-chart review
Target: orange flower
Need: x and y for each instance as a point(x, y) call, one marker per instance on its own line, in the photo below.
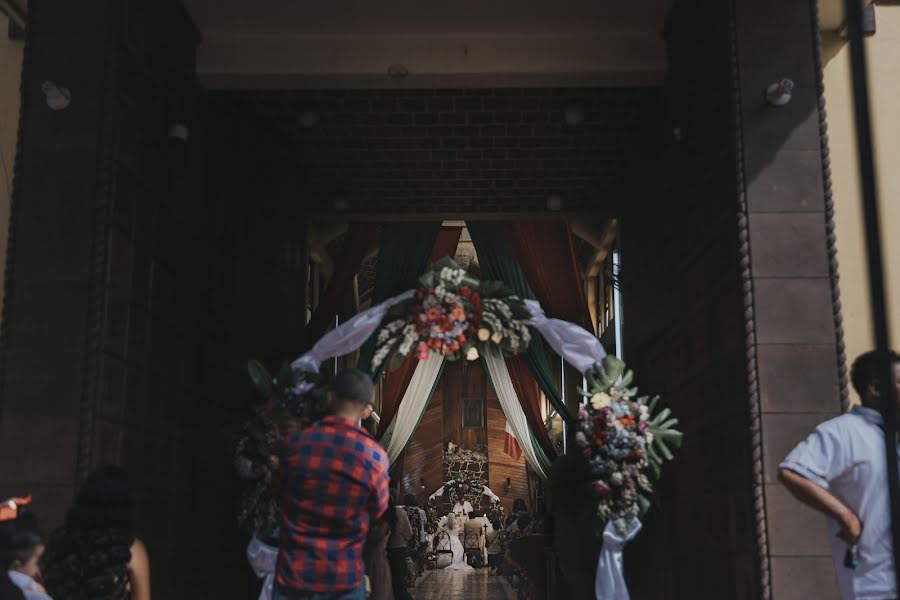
point(627, 421)
point(433, 313)
point(458, 313)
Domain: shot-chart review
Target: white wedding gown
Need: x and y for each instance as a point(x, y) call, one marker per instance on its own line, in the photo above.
point(459, 554)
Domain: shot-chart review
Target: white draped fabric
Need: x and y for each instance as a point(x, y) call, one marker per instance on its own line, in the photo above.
point(485, 492)
point(263, 558)
point(609, 581)
point(512, 409)
point(348, 337)
point(578, 346)
point(413, 405)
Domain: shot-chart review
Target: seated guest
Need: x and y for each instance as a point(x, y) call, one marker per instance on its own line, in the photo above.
point(412, 507)
point(519, 508)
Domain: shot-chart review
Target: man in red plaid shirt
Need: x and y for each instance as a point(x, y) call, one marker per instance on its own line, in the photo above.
point(335, 484)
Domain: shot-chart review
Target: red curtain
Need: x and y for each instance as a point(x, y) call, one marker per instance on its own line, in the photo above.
point(359, 238)
point(396, 381)
point(546, 254)
point(529, 393)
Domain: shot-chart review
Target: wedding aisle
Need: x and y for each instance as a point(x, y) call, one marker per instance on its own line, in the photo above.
point(462, 585)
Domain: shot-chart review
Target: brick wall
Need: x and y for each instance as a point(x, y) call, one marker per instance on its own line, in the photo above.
point(475, 150)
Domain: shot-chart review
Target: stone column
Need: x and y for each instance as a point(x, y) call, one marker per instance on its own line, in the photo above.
point(51, 271)
point(792, 317)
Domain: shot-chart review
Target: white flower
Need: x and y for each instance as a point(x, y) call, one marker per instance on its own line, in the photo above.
point(600, 400)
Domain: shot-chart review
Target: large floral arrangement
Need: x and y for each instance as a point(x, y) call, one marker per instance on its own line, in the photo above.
point(464, 484)
point(626, 441)
point(289, 401)
point(452, 314)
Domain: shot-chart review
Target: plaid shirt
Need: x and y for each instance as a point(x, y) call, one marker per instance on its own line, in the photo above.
point(335, 484)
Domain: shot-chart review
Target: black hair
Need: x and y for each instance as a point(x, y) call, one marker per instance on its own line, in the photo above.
point(19, 540)
point(519, 506)
point(410, 500)
point(391, 515)
point(88, 558)
point(866, 370)
point(353, 385)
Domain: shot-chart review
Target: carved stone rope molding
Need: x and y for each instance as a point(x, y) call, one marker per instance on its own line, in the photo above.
point(831, 238)
point(755, 409)
point(91, 383)
point(14, 199)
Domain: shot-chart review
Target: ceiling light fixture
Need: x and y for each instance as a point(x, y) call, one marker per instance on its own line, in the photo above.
point(58, 97)
point(779, 93)
point(573, 113)
point(309, 118)
point(397, 71)
point(341, 204)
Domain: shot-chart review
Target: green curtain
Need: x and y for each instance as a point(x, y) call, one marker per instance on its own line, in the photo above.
point(403, 256)
point(497, 262)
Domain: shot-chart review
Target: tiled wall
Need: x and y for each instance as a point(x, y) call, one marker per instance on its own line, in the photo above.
point(795, 333)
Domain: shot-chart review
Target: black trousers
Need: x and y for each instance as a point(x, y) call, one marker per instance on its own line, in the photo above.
point(397, 560)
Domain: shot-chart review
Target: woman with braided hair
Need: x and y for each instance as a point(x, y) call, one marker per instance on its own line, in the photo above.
point(96, 555)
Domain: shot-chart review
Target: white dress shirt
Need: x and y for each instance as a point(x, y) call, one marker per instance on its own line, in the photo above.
point(846, 456)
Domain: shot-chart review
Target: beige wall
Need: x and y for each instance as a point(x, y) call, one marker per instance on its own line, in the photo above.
point(884, 87)
point(10, 73)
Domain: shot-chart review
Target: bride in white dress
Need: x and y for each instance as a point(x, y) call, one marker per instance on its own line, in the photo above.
point(459, 554)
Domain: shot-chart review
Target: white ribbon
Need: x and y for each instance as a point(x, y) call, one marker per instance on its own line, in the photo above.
point(263, 558)
point(512, 410)
point(349, 336)
point(413, 405)
point(578, 346)
point(487, 492)
point(609, 582)
point(440, 490)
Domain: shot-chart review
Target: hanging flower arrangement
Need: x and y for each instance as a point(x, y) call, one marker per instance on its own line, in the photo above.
point(626, 441)
point(465, 484)
point(289, 401)
point(453, 314)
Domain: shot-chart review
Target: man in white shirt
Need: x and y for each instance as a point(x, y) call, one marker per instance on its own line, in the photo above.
point(841, 471)
point(462, 508)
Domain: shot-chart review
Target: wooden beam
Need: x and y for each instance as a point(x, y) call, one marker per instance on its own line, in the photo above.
point(605, 241)
point(15, 11)
point(386, 217)
point(319, 255)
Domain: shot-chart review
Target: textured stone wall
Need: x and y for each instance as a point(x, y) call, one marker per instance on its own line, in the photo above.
point(469, 463)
